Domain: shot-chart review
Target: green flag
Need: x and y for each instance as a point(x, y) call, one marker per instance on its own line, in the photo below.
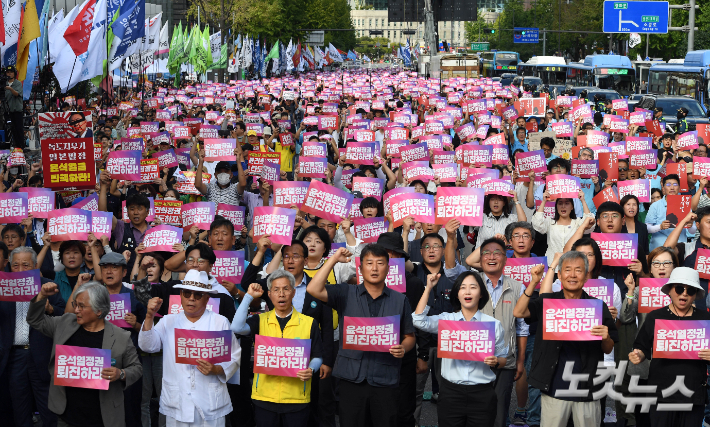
point(187, 49)
point(206, 48)
point(176, 45)
point(274, 54)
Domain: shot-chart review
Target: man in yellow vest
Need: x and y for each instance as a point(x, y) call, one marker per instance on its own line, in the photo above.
point(279, 399)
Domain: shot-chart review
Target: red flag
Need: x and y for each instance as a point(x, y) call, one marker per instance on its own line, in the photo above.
point(79, 32)
point(2, 28)
point(297, 55)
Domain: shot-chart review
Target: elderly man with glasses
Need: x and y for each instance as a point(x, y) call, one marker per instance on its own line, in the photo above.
point(193, 394)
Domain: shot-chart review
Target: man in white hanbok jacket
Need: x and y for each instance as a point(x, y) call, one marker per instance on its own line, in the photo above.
point(192, 395)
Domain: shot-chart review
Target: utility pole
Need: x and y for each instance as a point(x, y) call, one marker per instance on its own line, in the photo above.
point(429, 30)
point(544, 41)
point(691, 25)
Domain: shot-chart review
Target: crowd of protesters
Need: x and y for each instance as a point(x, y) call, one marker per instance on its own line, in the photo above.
point(310, 288)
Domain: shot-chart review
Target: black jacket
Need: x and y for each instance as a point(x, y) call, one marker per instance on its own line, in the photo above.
point(312, 307)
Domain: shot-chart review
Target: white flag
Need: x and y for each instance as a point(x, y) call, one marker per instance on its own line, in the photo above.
point(71, 69)
point(11, 10)
point(247, 52)
point(216, 46)
point(289, 56)
point(164, 41)
point(56, 34)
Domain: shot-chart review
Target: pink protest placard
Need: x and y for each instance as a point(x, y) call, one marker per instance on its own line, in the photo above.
point(643, 159)
point(618, 249)
point(571, 319)
point(162, 238)
point(175, 304)
point(466, 132)
point(125, 165)
point(413, 153)
point(212, 346)
point(563, 186)
point(680, 339)
point(90, 203)
point(40, 201)
point(702, 263)
point(290, 193)
point(580, 111)
point(368, 230)
point(417, 171)
point(312, 167)
point(619, 125)
point(101, 224)
point(501, 187)
point(277, 222)
point(235, 215)
point(208, 132)
point(13, 207)
point(81, 366)
point(314, 149)
point(282, 357)
point(446, 172)
point(688, 141)
point(636, 143)
point(120, 306)
point(166, 159)
point(395, 192)
point(562, 129)
point(602, 289)
point(360, 153)
point(433, 142)
point(585, 168)
point(229, 266)
point(220, 150)
point(369, 187)
point(419, 206)
point(500, 154)
point(650, 295)
point(200, 214)
point(520, 268)
point(464, 204)
point(19, 287)
point(466, 340)
point(270, 172)
point(327, 202)
point(480, 155)
point(370, 333)
point(701, 167)
point(533, 161)
point(619, 104)
point(641, 188)
point(69, 224)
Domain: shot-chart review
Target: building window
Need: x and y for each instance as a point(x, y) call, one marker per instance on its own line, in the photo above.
point(371, 22)
point(388, 34)
point(444, 35)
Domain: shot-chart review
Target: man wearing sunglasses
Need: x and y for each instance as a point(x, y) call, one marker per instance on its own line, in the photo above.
point(192, 395)
point(660, 226)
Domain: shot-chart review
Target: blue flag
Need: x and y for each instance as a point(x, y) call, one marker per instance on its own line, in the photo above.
point(129, 26)
point(351, 55)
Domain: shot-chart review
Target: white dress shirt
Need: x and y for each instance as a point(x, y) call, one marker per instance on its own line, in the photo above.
point(185, 389)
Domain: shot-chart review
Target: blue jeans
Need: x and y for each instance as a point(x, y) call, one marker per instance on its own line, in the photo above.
point(533, 408)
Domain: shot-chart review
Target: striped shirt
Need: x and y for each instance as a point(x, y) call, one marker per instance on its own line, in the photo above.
point(227, 195)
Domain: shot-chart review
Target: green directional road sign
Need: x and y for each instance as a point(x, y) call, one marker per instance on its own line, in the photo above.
point(480, 46)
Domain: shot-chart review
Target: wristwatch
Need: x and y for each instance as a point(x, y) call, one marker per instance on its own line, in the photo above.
point(425, 357)
point(122, 376)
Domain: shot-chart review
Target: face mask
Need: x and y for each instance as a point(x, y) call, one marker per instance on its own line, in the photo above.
point(13, 171)
point(223, 178)
point(169, 198)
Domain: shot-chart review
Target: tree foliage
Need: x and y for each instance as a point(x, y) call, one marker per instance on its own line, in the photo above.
point(369, 47)
point(279, 19)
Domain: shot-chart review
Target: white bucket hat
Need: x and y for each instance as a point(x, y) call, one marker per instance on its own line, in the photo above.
point(197, 281)
point(684, 276)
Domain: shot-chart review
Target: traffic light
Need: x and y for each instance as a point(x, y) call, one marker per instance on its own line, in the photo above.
point(489, 31)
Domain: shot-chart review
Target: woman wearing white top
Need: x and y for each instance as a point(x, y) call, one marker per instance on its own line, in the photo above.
point(466, 394)
point(560, 228)
point(497, 215)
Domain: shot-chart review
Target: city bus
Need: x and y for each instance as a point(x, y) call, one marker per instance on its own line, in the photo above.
point(691, 78)
point(496, 63)
point(605, 72)
point(551, 69)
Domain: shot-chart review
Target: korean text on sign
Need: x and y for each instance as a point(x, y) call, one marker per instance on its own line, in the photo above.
point(680, 339)
point(571, 320)
point(466, 340)
point(280, 356)
point(618, 249)
point(212, 346)
point(20, 286)
point(650, 295)
point(370, 333)
point(81, 366)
